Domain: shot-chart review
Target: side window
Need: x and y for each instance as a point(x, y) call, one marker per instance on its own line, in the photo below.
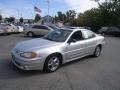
point(113, 29)
point(77, 36)
point(88, 34)
point(43, 27)
point(35, 27)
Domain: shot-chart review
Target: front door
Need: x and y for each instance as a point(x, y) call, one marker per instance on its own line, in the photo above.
point(82, 44)
point(75, 46)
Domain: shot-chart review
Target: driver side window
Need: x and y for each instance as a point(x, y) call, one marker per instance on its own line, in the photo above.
point(77, 36)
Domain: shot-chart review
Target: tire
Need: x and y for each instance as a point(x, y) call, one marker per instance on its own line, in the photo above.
point(52, 63)
point(5, 34)
point(30, 34)
point(97, 51)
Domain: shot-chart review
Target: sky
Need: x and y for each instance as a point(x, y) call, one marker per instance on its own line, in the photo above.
point(25, 8)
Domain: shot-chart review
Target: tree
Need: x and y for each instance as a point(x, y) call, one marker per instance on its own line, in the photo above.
point(11, 19)
point(67, 17)
point(110, 12)
point(0, 17)
point(70, 15)
point(21, 20)
point(61, 16)
point(29, 22)
point(55, 19)
point(107, 14)
point(6, 19)
point(37, 17)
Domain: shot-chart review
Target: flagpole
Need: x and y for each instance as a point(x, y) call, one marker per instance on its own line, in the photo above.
point(48, 2)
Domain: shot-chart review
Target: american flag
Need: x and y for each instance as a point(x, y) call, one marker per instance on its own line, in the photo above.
point(37, 9)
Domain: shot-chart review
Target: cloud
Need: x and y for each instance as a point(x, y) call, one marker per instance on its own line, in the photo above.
point(9, 12)
point(17, 13)
point(80, 5)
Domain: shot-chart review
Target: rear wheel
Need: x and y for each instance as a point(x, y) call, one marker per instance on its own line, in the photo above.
point(97, 51)
point(30, 34)
point(52, 63)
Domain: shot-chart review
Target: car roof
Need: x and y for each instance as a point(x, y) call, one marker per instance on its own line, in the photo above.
point(75, 29)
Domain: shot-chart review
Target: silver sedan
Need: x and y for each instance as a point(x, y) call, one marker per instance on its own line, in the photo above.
point(56, 48)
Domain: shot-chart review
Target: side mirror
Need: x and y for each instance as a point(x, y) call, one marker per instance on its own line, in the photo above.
point(71, 40)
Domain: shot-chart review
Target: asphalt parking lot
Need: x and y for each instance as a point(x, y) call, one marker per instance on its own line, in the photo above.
point(102, 73)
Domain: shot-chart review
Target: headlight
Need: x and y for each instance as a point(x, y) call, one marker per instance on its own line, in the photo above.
point(28, 55)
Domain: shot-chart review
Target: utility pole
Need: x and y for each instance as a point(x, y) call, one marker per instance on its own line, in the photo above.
point(18, 11)
point(18, 15)
point(21, 14)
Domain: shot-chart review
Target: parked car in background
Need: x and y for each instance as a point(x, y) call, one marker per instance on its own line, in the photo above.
point(19, 28)
point(11, 28)
point(110, 31)
point(25, 26)
point(37, 30)
point(2, 29)
point(56, 48)
point(6, 29)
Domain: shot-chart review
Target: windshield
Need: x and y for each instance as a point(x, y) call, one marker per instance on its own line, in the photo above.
point(59, 35)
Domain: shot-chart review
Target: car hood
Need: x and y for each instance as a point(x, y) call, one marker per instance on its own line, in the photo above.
point(35, 44)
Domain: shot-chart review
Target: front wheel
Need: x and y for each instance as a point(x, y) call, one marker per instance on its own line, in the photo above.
point(97, 51)
point(52, 63)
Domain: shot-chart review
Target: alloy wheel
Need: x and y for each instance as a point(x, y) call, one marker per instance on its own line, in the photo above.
point(53, 63)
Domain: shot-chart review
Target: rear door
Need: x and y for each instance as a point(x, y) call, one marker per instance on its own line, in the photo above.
point(35, 29)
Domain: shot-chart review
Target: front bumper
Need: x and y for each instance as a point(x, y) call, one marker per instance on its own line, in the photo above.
point(27, 65)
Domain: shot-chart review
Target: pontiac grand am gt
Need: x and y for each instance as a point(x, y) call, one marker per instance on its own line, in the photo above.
point(56, 48)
